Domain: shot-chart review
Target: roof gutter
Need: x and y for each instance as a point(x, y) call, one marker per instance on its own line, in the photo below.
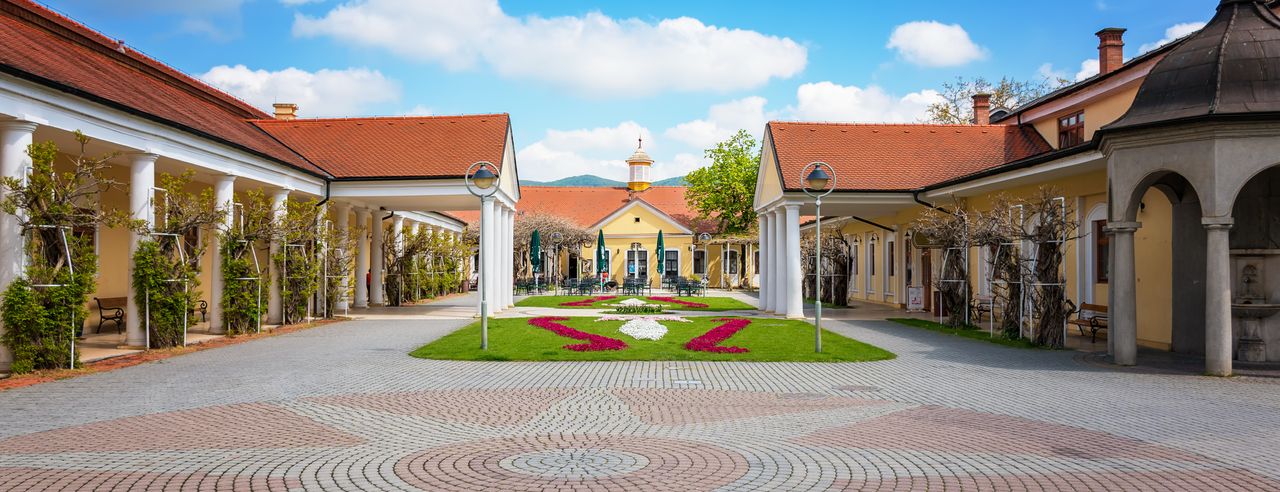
point(915, 196)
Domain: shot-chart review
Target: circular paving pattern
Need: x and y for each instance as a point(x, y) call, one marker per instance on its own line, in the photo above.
point(572, 461)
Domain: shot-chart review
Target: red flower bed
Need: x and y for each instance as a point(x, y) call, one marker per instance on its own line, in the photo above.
point(710, 341)
point(588, 302)
point(595, 342)
point(672, 300)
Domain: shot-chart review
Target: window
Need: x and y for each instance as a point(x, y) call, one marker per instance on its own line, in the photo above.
point(871, 258)
point(671, 263)
point(755, 260)
point(1071, 130)
point(853, 258)
point(608, 261)
point(637, 263)
point(1101, 251)
point(733, 262)
point(699, 262)
point(893, 270)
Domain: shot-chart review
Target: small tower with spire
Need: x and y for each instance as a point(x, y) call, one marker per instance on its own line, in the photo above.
point(640, 165)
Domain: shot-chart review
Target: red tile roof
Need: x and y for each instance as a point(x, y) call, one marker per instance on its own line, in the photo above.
point(403, 147)
point(45, 47)
point(587, 205)
point(885, 157)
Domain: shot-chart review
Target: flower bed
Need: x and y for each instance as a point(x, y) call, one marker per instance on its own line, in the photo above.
point(641, 309)
point(659, 317)
point(644, 329)
point(710, 341)
point(672, 300)
point(595, 342)
point(588, 302)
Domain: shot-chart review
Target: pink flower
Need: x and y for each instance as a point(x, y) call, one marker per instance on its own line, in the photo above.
point(596, 342)
point(672, 300)
point(710, 341)
point(588, 302)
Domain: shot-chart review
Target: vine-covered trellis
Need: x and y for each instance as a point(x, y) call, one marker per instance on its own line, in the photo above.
point(297, 259)
point(835, 265)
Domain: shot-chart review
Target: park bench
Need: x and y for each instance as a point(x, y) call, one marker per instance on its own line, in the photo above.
point(111, 309)
point(1092, 317)
point(201, 307)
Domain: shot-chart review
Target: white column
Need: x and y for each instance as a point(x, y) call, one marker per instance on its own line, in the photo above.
point(485, 274)
point(362, 259)
point(377, 295)
point(509, 259)
point(342, 212)
point(224, 194)
point(142, 182)
point(795, 295)
point(397, 229)
point(1123, 293)
point(766, 275)
point(15, 137)
point(780, 261)
point(1217, 323)
point(275, 303)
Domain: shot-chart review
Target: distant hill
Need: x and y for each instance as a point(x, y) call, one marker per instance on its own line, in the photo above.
point(593, 180)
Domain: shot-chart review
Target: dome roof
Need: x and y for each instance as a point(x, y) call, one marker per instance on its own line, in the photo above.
point(1229, 68)
point(640, 156)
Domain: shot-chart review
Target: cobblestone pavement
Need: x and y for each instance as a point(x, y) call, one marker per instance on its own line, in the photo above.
point(341, 407)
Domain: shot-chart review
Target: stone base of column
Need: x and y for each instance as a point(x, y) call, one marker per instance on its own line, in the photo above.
point(378, 304)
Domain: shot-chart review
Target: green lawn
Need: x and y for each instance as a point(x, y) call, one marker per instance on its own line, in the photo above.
point(967, 332)
point(768, 340)
point(713, 303)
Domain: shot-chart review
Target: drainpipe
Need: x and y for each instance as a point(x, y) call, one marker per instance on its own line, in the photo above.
point(915, 195)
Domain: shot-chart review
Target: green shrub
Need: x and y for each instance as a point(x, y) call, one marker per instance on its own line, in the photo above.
point(643, 309)
point(165, 287)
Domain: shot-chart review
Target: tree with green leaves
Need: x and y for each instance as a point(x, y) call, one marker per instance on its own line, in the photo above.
point(57, 212)
point(243, 274)
point(956, 108)
point(725, 190)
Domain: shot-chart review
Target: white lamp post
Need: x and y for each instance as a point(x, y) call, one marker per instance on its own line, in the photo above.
point(817, 179)
point(482, 181)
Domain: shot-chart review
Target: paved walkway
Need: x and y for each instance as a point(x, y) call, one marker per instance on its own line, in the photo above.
point(341, 407)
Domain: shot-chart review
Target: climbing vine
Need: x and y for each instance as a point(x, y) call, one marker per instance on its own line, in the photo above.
point(299, 266)
point(166, 271)
point(43, 310)
point(338, 262)
point(243, 276)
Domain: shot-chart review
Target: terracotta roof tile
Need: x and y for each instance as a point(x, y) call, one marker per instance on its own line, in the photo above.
point(587, 205)
point(41, 45)
point(883, 157)
point(411, 146)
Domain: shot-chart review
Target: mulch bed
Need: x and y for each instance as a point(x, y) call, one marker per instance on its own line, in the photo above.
point(45, 376)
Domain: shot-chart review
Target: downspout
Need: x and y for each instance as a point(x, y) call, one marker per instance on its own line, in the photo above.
point(915, 195)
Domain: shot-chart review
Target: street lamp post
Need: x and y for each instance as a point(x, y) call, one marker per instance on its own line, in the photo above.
point(482, 181)
point(817, 179)
point(705, 239)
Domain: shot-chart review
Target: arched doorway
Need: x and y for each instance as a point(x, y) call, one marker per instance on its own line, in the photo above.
point(1255, 268)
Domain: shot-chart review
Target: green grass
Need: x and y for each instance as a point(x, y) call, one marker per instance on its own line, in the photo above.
point(713, 303)
point(768, 340)
point(966, 332)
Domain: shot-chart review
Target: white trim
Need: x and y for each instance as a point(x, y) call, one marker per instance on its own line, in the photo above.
point(69, 113)
point(1092, 160)
point(640, 203)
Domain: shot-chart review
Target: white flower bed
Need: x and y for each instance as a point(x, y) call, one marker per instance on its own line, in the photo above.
point(644, 329)
point(633, 302)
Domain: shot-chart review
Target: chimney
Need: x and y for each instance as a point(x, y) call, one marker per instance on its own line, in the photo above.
point(286, 111)
point(982, 108)
point(1110, 50)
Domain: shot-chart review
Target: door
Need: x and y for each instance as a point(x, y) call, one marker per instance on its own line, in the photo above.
point(573, 266)
point(926, 278)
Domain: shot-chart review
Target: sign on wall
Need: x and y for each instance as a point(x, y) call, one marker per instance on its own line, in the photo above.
point(915, 298)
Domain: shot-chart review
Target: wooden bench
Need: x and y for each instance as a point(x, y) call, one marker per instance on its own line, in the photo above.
point(1092, 317)
point(111, 309)
point(201, 307)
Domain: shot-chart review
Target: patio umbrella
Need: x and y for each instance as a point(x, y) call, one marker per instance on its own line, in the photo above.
point(661, 254)
point(601, 263)
point(535, 252)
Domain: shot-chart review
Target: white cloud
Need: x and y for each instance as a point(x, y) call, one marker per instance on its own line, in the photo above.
point(600, 151)
point(934, 44)
point(593, 53)
point(1173, 33)
point(722, 121)
point(322, 93)
point(419, 110)
point(828, 101)
point(1088, 68)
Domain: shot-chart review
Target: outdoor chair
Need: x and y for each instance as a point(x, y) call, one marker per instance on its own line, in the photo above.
point(1092, 317)
point(111, 309)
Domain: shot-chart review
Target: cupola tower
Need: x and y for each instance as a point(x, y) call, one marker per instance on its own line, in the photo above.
point(640, 165)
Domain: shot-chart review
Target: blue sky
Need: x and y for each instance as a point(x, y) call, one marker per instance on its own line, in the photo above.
point(583, 79)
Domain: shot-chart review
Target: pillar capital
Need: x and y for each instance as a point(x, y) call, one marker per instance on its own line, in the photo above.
point(1218, 223)
point(18, 126)
point(1123, 227)
point(227, 178)
point(141, 158)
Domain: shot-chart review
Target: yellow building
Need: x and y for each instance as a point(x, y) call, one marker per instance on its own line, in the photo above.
point(1154, 161)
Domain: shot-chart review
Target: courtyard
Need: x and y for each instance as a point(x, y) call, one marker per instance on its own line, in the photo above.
point(344, 407)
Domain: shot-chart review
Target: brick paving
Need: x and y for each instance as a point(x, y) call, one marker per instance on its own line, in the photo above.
point(342, 407)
